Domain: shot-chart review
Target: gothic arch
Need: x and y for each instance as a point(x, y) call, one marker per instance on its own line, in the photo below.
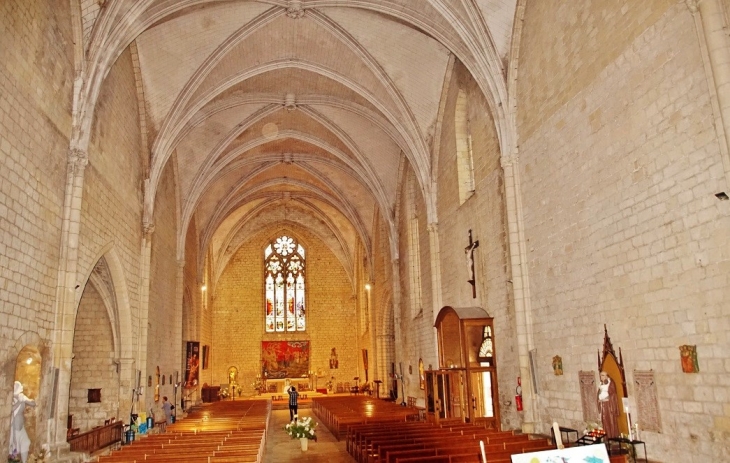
point(121, 318)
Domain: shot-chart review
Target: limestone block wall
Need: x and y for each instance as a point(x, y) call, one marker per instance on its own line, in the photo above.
point(36, 78)
point(238, 313)
point(93, 364)
point(192, 316)
point(382, 307)
point(619, 169)
point(111, 215)
point(416, 336)
point(483, 213)
point(161, 347)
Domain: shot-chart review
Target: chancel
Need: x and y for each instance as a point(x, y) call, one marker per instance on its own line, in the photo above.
point(422, 212)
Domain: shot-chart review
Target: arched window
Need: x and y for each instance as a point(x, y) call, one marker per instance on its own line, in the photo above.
point(284, 285)
point(464, 154)
point(414, 250)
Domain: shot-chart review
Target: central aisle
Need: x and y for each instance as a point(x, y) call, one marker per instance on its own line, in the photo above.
point(281, 448)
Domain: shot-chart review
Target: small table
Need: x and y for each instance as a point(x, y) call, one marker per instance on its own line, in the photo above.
point(589, 440)
point(567, 432)
point(615, 446)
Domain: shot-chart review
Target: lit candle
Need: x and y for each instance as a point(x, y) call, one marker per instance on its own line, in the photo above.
point(484, 455)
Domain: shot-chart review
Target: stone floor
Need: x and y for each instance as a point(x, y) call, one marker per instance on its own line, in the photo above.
point(281, 448)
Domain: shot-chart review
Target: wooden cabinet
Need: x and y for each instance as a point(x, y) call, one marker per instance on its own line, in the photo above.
point(210, 394)
point(465, 385)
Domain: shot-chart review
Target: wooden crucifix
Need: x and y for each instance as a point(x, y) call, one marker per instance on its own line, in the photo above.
point(469, 251)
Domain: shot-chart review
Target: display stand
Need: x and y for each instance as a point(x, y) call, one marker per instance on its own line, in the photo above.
point(622, 445)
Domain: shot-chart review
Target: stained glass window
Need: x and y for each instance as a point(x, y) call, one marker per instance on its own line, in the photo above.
point(284, 285)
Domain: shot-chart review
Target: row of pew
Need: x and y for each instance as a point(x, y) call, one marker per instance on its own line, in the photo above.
point(219, 432)
point(382, 432)
point(340, 412)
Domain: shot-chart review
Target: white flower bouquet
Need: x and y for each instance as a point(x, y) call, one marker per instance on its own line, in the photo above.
point(303, 428)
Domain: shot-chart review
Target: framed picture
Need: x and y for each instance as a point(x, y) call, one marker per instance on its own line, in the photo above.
point(285, 359)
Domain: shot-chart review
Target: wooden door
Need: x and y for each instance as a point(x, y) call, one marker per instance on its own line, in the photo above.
point(483, 397)
point(445, 393)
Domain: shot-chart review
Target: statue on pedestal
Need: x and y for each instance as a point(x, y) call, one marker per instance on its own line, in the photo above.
point(19, 440)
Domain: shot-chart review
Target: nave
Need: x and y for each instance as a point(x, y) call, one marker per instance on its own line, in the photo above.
point(350, 429)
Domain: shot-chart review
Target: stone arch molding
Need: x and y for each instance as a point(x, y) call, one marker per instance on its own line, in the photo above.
point(114, 292)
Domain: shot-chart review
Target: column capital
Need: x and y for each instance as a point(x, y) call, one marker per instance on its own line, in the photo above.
point(432, 227)
point(78, 157)
point(509, 160)
point(693, 5)
point(148, 228)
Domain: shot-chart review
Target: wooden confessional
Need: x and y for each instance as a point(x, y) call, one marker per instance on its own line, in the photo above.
point(465, 384)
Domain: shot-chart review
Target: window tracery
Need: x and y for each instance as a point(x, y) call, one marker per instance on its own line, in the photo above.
point(284, 286)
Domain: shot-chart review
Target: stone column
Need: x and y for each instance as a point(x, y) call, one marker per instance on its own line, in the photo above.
point(177, 333)
point(713, 38)
point(67, 295)
point(127, 382)
point(148, 228)
point(397, 319)
point(436, 290)
point(373, 361)
point(520, 286)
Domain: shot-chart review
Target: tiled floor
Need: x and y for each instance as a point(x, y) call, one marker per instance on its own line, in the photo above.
point(281, 448)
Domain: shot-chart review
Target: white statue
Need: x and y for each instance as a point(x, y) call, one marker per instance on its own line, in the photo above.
point(19, 440)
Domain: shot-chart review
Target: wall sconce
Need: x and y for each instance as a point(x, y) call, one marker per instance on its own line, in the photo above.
point(203, 288)
point(368, 286)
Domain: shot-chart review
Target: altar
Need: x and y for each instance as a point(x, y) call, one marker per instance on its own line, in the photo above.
point(280, 386)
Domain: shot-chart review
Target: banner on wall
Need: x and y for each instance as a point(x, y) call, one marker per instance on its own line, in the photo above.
point(192, 363)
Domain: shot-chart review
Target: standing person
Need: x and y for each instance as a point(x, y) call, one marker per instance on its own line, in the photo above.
point(167, 407)
point(19, 440)
point(608, 405)
point(293, 403)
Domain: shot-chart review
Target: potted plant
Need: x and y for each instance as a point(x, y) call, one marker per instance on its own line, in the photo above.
point(303, 430)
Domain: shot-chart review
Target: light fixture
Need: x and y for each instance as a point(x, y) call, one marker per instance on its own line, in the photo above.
point(29, 361)
point(203, 288)
point(367, 286)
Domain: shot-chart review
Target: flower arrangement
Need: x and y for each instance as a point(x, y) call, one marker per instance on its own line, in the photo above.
point(14, 457)
point(299, 429)
point(39, 457)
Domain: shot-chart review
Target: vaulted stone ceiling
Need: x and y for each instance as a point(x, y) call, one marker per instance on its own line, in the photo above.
point(297, 111)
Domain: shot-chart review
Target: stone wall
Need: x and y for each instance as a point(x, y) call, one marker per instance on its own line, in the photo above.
point(238, 313)
point(93, 364)
point(416, 338)
point(483, 213)
point(161, 348)
point(36, 79)
point(619, 170)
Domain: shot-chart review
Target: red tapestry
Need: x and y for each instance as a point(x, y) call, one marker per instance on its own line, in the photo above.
point(285, 359)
